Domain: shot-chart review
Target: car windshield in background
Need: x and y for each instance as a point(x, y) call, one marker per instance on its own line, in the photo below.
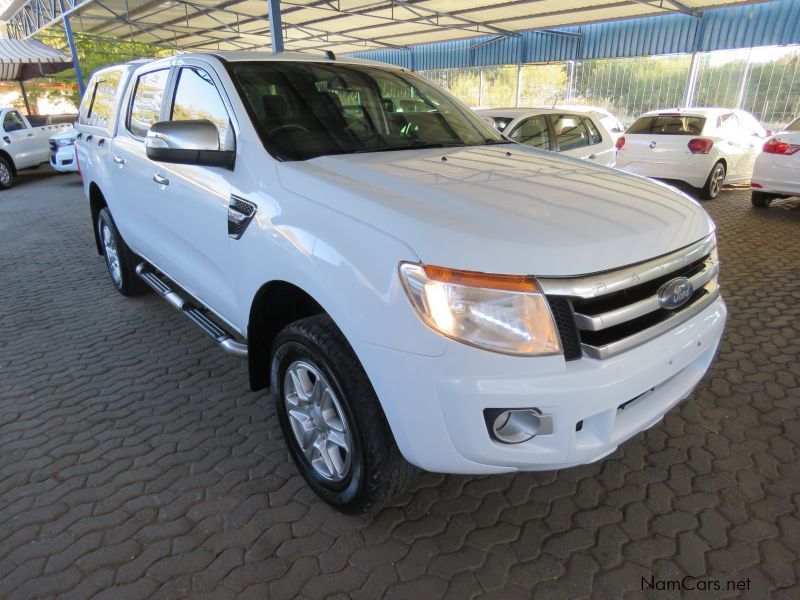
point(500, 123)
point(305, 109)
point(668, 125)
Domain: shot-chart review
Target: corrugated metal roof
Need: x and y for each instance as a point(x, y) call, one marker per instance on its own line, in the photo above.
point(346, 25)
point(744, 26)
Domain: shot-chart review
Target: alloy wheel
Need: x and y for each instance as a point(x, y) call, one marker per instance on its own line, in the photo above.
point(318, 421)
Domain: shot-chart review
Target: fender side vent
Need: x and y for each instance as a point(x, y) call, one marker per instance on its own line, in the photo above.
point(240, 213)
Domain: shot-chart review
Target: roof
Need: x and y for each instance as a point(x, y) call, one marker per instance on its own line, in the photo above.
point(539, 110)
point(690, 112)
point(26, 59)
point(313, 25)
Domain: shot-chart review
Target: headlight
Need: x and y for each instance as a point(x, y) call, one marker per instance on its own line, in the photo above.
point(502, 313)
point(62, 142)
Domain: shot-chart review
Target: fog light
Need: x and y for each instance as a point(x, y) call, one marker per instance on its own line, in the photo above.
point(517, 425)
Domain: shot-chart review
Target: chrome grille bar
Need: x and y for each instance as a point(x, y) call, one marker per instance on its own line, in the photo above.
point(600, 284)
point(609, 323)
point(642, 307)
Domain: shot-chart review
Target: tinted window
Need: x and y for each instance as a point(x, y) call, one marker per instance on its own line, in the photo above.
point(305, 109)
point(594, 134)
point(196, 97)
point(97, 109)
point(668, 125)
point(533, 132)
point(147, 100)
point(570, 132)
point(13, 121)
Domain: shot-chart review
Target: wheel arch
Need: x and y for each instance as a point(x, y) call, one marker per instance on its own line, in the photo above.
point(275, 305)
point(10, 161)
point(97, 202)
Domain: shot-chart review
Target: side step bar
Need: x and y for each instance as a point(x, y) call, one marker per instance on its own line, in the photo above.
point(195, 314)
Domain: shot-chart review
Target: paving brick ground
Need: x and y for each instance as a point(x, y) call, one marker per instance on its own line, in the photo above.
point(134, 462)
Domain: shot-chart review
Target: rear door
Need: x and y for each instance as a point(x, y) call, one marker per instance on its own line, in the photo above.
point(136, 199)
point(96, 122)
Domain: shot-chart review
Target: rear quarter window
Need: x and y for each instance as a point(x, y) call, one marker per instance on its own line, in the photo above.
point(98, 107)
point(668, 125)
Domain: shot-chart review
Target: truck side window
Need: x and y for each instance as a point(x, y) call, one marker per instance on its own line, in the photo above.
point(13, 122)
point(147, 99)
point(196, 97)
point(99, 110)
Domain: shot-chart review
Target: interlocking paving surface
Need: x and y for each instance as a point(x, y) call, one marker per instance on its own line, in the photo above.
point(135, 463)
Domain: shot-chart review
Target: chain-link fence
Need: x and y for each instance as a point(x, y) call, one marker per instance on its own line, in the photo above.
point(765, 81)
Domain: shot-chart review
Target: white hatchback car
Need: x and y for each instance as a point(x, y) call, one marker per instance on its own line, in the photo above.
point(579, 133)
point(704, 147)
point(777, 170)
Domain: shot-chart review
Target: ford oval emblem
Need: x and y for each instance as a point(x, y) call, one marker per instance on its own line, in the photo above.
point(652, 145)
point(675, 293)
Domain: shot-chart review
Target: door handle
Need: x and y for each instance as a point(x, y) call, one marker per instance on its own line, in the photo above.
point(592, 156)
point(160, 179)
point(119, 160)
point(30, 135)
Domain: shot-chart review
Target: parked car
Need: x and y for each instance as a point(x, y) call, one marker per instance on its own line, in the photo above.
point(609, 120)
point(704, 147)
point(575, 133)
point(777, 170)
point(23, 146)
point(409, 285)
point(62, 151)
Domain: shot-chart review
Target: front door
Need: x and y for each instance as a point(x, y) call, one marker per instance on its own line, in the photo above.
point(193, 208)
point(21, 140)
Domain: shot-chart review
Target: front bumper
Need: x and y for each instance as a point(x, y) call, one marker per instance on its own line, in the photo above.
point(63, 159)
point(435, 404)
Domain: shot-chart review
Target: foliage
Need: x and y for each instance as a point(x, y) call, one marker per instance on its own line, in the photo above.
point(93, 53)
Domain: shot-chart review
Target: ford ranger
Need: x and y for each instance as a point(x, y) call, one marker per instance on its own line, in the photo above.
point(411, 287)
point(23, 145)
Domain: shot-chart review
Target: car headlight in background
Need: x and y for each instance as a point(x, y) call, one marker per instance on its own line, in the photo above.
point(61, 142)
point(502, 313)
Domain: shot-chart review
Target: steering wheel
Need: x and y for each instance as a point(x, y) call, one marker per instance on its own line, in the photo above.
point(281, 129)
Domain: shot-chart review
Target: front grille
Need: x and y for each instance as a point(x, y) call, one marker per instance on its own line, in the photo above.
point(605, 314)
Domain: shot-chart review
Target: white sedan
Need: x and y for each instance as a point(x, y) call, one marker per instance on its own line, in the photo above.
point(579, 133)
point(777, 170)
point(704, 147)
point(62, 151)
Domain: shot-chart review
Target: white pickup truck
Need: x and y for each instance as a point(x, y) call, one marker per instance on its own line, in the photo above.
point(410, 286)
point(23, 145)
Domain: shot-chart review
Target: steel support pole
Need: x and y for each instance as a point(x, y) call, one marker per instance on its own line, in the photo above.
point(275, 26)
point(76, 63)
point(691, 81)
point(25, 97)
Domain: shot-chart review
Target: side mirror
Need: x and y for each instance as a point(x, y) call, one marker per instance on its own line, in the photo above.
point(187, 143)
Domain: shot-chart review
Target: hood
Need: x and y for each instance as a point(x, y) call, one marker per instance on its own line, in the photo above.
point(504, 208)
point(69, 134)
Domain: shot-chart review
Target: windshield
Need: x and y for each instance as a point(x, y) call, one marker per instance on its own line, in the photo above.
point(668, 125)
point(303, 109)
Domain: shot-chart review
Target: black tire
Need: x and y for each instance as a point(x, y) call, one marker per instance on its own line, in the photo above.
point(714, 182)
point(761, 199)
point(123, 272)
point(6, 174)
point(376, 470)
